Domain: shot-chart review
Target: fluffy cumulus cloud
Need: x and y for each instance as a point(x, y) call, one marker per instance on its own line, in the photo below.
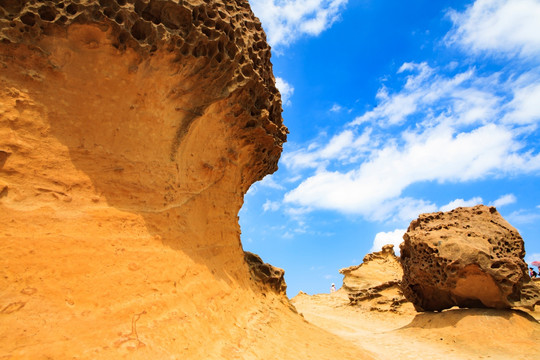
point(286, 20)
point(503, 26)
point(444, 125)
point(524, 107)
point(461, 203)
point(386, 238)
point(439, 151)
point(504, 200)
point(285, 89)
point(346, 146)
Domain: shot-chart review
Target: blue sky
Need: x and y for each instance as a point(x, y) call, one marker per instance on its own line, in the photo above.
point(395, 108)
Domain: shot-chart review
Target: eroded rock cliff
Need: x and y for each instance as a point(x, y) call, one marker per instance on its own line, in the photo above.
point(267, 275)
point(376, 283)
point(468, 257)
point(129, 132)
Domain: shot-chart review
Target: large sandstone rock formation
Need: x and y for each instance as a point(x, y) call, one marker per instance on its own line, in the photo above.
point(376, 283)
point(129, 132)
point(468, 257)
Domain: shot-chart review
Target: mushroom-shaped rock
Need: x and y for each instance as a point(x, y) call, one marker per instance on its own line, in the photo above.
point(468, 257)
point(129, 132)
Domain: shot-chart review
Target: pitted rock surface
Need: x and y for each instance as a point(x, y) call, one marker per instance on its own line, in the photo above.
point(376, 283)
point(468, 257)
point(266, 274)
point(222, 40)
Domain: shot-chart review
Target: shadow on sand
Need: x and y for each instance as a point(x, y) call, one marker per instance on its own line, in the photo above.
point(451, 317)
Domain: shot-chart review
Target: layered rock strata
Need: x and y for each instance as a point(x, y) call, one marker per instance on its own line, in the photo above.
point(376, 283)
point(468, 257)
point(129, 132)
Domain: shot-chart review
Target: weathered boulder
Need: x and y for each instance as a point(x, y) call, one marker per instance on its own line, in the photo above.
point(468, 257)
point(376, 282)
point(266, 274)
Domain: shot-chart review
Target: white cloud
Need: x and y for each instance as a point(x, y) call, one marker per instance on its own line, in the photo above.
point(467, 97)
point(287, 235)
point(504, 200)
point(401, 209)
point(501, 26)
point(336, 108)
point(345, 146)
point(523, 217)
point(460, 127)
point(271, 205)
point(268, 181)
point(298, 214)
point(524, 107)
point(285, 89)
point(444, 125)
point(408, 208)
point(293, 179)
point(436, 154)
point(284, 21)
point(461, 203)
point(385, 238)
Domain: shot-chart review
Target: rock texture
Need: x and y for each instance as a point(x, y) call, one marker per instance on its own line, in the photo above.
point(129, 132)
point(268, 275)
point(468, 257)
point(376, 283)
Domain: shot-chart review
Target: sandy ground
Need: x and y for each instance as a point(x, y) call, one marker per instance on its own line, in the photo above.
point(451, 334)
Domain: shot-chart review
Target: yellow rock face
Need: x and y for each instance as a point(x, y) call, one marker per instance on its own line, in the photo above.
point(376, 283)
point(129, 133)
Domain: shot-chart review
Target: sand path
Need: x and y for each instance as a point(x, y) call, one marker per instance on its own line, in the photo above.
point(452, 334)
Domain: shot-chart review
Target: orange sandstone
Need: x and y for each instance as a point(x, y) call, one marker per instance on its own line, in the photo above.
point(376, 283)
point(467, 257)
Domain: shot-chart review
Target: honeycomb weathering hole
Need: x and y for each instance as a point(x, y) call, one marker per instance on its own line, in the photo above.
point(140, 30)
point(28, 19)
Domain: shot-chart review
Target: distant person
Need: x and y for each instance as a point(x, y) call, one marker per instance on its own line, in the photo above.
point(333, 288)
point(533, 273)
